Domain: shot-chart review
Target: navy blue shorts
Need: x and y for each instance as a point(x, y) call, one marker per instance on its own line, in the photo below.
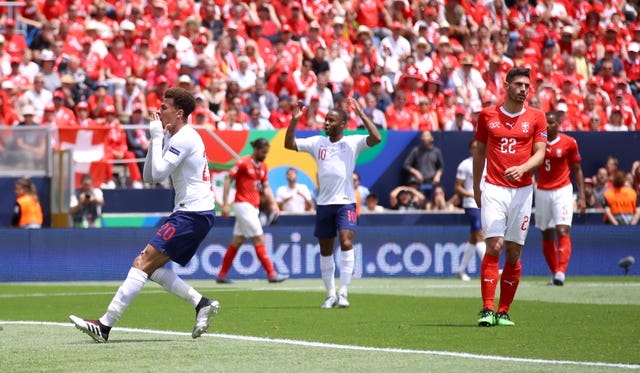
point(473, 214)
point(182, 233)
point(331, 218)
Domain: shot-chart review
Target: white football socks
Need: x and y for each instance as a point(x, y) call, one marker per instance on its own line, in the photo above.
point(481, 248)
point(469, 252)
point(347, 261)
point(170, 281)
point(129, 289)
point(327, 269)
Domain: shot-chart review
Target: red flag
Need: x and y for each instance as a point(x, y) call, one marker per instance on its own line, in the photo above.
point(88, 151)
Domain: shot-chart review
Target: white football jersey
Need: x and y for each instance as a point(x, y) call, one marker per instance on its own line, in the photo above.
point(336, 162)
point(190, 175)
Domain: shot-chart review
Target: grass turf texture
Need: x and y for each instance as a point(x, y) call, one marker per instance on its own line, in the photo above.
point(588, 320)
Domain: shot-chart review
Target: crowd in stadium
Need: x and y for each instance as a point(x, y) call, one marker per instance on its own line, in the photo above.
point(415, 65)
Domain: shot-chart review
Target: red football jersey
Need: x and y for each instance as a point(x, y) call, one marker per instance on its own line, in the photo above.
point(249, 179)
point(555, 170)
point(509, 141)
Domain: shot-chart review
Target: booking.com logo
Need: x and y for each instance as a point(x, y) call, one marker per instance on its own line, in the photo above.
point(301, 259)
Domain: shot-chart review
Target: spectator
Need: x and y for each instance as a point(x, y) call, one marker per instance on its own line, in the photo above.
point(116, 150)
point(245, 77)
point(438, 201)
point(38, 96)
point(313, 117)
point(399, 116)
point(294, 197)
point(425, 164)
point(459, 122)
point(361, 192)
point(8, 116)
point(86, 204)
point(82, 115)
point(128, 97)
point(589, 196)
point(48, 70)
point(138, 138)
point(263, 99)
point(406, 198)
point(99, 101)
point(63, 115)
point(257, 122)
point(601, 184)
point(324, 93)
point(621, 206)
point(232, 121)
point(27, 212)
point(376, 115)
point(304, 78)
point(612, 166)
point(27, 150)
point(281, 116)
point(634, 176)
point(371, 204)
point(470, 87)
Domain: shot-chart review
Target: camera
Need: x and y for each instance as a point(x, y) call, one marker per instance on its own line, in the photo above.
point(87, 195)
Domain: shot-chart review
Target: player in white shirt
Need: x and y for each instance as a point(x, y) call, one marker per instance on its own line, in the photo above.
point(294, 197)
point(182, 158)
point(464, 188)
point(335, 157)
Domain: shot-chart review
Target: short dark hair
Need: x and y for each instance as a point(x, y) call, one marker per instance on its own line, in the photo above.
point(259, 143)
point(342, 114)
point(518, 71)
point(182, 99)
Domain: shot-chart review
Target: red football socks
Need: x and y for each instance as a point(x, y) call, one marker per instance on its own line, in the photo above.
point(508, 285)
point(550, 255)
point(227, 260)
point(564, 253)
point(261, 252)
point(489, 280)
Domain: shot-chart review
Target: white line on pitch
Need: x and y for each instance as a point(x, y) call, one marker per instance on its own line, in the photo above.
point(350, 347)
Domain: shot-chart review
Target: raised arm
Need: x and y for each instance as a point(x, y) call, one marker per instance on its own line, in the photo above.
point(290, 136)
point(374, 137)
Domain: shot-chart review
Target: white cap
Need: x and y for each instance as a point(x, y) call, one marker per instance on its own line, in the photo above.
point(634, 47)
point(184, 78)
point(562, 107)
point(127, 25)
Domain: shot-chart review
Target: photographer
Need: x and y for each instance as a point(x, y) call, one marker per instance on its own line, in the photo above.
point(86, 205)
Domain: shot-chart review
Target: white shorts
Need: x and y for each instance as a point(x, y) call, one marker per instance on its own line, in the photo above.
point(554, 207)
point(506, 212)
point(247, 220)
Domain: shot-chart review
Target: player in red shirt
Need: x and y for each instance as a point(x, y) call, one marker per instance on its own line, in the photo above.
point(250, 174)
point(512, 140)
point(554, 197)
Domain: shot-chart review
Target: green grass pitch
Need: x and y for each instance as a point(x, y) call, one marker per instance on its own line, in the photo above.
point(393, 325)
